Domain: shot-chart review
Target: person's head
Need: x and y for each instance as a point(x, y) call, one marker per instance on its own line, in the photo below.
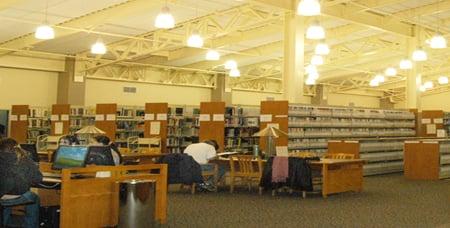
point(213, 143)
point(69, 140)
point(7, 145)
point(102, 139)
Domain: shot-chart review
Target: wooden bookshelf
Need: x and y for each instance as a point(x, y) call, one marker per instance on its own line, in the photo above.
point(60, 115)
point(278, 112)
point(19, 123)
point(157, 113)
point(105, 119)
point(212, 122)
point(343, 146)
point(433, 119)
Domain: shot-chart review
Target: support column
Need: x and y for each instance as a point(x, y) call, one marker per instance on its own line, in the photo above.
point(413, 79)
point(69, 91)
point(321, 97)
point(294, 58)
point(222, 92)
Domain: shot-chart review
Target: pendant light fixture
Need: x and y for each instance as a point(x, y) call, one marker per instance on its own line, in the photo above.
point(374, 83)
point(235, 73)
point(311, 69)
point(310, 81)
point(322, 49)
point(98, 48)
point(45, 31)
point(315, 31)
point(195, 40)
point(443, 80)
point(405, 64)
point(438, 42)
point(212, 55)
point(422, 88)
point(314, 75)
point(230, 65)
point(390, 71)
point(308, 8)
point(379, 78)
point(419, 55)
point(165, 20)
point(317, 60)
point(428, 85)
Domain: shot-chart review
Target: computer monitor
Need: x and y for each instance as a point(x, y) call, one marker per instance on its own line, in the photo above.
point(100, 155)
point(70, 157)
point(32, 150)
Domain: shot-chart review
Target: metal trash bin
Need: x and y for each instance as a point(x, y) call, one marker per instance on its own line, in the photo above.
point(137, 204)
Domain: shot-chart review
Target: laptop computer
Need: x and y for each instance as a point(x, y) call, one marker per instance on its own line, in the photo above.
point(70, 157)
point(100, 155)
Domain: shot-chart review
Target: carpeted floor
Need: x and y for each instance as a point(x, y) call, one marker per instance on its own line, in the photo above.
point(387, 201)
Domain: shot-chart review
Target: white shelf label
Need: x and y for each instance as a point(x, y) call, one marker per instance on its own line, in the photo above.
point(23, 117)
point(99, 117)
point(13, 118)
point(149, 116)
point(110, 117)
point(204, 117)
point(161, 116)
point(438, 121)
point(218, 117)
point(426, 121)
point(54, 118)
point(64, 117)
point(265, 118)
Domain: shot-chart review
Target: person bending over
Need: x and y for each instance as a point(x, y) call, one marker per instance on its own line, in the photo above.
point(103, 140)
point(17, 174)
point(69, 140)
point(204, 152)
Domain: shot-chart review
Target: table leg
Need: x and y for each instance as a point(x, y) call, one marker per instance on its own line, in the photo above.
point(324, 180)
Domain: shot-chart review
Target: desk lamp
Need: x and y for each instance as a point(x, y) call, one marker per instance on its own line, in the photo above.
point(270, 133)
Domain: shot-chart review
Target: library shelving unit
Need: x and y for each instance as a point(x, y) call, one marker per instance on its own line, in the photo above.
point(60, 119)
point(274, 113)
point(447, 122)
point(212, 122)
point(156, 122)
point(105, 119)
point(427, 159)
point(129, 123)
point(310, 127)
point(19, 123)
point(38, 123)
point(182, 128)
point(240, 125)
point(431, 121)
point(80, 117)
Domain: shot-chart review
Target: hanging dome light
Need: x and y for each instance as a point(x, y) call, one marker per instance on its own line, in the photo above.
point(374, 83)
point(165, 20)
point(428, 85)
point(311, 69)
point(419, 55)
point(212, 55)
point(443, 80)
point(310, 81)
point(322, 49)
point(98, 48)
point(317, 60)
point(438, 42)
point(422, 88)
point(230, 65)
point(313, 75)
point(405, 64)
point(390, 71)
point(308, 8)
point(195, 40)
point(379, 78)
point(315, 31)
point(44, 32)
point(235, 73)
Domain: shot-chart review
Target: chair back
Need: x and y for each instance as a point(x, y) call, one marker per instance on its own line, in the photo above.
point(340, 156)
point(245, 165)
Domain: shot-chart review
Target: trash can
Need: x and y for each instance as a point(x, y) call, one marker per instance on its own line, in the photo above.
point(137, 204)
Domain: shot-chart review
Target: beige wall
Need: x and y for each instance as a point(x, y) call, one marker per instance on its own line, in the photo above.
point(31, 87)
point(103, 91)
point(436, 102)
point(358, 100)
point(252, 98)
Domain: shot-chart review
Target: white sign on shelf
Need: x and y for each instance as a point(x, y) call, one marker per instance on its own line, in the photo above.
point(110, 117)
point(149, 116)
point(99, 117)
point(441, 133)
point(431, 129)
point(282, 151)
point(204, 117)
point(13, 118)
point(438, 121)
point(59, 126)
point(218, 117)
point(54, 118)
point(64, 117)
point(23, 117)
point(281, 116)
point(155, 128)
point(161, 116)
point(265, 118)
point(426, 121)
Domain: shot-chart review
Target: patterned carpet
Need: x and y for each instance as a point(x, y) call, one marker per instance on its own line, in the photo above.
point(387, 201)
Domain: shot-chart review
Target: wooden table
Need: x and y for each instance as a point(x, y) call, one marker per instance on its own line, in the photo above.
point(338, 175)
point(144, 158)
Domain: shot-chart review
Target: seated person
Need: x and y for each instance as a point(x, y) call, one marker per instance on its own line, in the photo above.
point(17, 174)
point(69, 140)
point(202, 153)
point(103, 140)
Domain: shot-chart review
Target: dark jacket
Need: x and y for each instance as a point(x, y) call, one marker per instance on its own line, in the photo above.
point(300, 177)
point(182, 169)
point(16, 177)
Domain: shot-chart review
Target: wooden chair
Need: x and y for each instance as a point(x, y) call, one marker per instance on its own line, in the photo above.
point(340, 156)
point(206, 175)
point(245, 170)
point(302, 154)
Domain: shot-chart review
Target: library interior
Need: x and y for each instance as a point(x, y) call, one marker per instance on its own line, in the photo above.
point(224, 113)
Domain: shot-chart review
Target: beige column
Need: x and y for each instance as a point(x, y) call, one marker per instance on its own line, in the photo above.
point(321, 97)
point(294, 58)
point(69, 91)
point(413, 79)
point(222, 92)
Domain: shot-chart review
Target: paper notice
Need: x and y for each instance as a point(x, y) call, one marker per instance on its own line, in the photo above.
point(111, 117)
point(155, 128)
point(282, 151)
point(13, 118)
point(59, 126)
point(218, 117)
point(54, 118)
point(149, 116)
point(23, 117)
point(64, 117)
point(161, 116)
point(431, 129)
point(265, 118)
point(204, 117)
point(99, 117)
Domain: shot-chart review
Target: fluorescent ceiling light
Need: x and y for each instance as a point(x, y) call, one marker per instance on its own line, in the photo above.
point(44, 32)
point(195, 40)
point(419, 55)
point(322, 49)
point(443, 80)
point(230, 65)
point(98, 48)
point(212, 55)
point(235, 73)
point(315, 31)
point(308, 8)
point(390, 71)
point(317, 60)
point(165, 20)
point(405, 64)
